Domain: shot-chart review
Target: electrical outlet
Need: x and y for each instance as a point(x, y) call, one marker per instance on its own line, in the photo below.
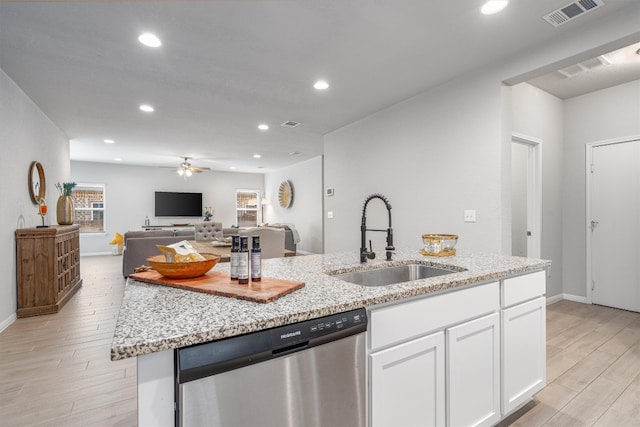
point(469, 216)
point(330, 214)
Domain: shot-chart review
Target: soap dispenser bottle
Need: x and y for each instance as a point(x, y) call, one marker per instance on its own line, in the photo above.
point(256, 259)
point(243, 262)
point(235, 252)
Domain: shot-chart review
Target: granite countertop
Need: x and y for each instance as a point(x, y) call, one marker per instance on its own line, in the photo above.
point(154, 318)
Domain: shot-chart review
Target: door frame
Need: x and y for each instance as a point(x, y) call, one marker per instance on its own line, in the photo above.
point(588, 217)
point(534, 192)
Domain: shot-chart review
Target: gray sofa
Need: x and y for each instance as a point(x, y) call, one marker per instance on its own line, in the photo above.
point(140, 245)
point(290, 236)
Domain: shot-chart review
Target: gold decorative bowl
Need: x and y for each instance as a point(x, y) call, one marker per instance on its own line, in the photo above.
point(439, 244)
point(183, 270)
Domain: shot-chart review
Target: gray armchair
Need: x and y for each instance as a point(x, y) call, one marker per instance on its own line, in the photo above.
point(271, 240)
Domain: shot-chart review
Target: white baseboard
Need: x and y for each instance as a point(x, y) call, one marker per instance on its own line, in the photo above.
point(99, 254)
point(575, 298)
point(568, 297)
point(554, 299)
point(8, 321)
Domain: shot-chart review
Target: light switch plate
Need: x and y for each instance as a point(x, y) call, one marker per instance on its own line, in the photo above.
point(470, 216)
point(330, 214)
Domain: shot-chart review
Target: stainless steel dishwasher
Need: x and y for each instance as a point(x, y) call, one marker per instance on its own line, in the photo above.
point(310, 373)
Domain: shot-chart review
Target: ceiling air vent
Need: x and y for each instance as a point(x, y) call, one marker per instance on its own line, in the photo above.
point(571, 11)
point(588, 65)
point(290, 124)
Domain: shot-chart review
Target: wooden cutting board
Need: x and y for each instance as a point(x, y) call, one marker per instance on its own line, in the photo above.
point(219, 283)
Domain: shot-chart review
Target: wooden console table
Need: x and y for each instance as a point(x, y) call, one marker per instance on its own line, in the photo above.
point(48, 268)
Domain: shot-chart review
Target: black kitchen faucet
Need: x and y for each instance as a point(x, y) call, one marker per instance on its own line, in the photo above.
point(369, 254)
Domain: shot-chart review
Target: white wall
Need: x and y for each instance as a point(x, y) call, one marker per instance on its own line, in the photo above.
point(26, 134)
point(540, 115)
point(598, 116)
point(305, 214)
point(447, 150)
point(130, 196)
point(425, 156)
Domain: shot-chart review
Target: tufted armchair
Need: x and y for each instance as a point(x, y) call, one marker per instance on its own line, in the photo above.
point(208, 230)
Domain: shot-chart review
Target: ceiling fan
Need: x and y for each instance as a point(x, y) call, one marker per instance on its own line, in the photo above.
point(185, 169)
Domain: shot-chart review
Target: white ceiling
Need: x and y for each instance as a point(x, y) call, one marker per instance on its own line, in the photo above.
point(607, 70)
point(226, 66)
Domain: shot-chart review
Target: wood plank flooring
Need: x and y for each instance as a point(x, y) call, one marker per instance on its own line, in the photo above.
point(55, 370)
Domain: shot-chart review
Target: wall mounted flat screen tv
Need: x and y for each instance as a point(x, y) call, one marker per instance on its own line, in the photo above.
point(178, 204)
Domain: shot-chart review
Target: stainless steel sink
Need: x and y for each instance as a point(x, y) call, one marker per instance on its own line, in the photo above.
point(392, 275)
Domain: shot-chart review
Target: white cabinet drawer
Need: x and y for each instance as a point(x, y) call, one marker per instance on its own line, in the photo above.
point(397, 323)
point(522, 288)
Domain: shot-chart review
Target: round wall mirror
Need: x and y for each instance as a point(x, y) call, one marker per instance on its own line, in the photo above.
point(285, 194)
point(37, 182)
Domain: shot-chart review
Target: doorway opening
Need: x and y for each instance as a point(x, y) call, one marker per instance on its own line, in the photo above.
point(526, 196)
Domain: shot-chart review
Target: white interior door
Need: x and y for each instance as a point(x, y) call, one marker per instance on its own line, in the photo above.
point(526, 194)
point(519, 226)
point(615, 225)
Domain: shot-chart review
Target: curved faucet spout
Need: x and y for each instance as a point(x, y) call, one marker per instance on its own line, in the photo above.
point(369, 254)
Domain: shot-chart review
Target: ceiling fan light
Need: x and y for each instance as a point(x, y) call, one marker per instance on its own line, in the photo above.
point(188, 172)
point(180, 172)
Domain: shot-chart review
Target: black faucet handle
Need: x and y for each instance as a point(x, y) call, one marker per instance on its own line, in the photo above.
point(370, 253)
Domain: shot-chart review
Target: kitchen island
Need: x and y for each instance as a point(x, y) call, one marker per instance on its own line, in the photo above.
point(154, 319)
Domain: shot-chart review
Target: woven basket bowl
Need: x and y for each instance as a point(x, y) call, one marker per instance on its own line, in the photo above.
point(183, 270)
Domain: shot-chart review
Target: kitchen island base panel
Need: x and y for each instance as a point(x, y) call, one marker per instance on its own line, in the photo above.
point(156, 389)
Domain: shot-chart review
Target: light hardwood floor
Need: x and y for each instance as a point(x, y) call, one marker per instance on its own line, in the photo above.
point(55, 370)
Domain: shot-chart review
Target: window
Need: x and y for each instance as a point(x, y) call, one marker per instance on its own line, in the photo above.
point(89, 207)
point(247, 202)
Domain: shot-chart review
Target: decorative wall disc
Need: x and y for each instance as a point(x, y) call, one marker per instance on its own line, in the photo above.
point(285, 194)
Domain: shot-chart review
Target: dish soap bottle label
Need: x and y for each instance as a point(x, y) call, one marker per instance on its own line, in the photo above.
point(256, 259)
point(243, 262)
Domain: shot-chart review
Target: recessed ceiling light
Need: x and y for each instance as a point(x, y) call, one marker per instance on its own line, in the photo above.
point(263, 126)
point(256, 156)
point(321, 85)
point(149, 39)
point(232, 167)
point(493, 6)
point(118, 159)
point(147, 108)
point(109, 141)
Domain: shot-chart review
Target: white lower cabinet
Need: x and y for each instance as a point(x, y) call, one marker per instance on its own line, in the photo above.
point(408, 384)
point(473, 372)
point(523, 352)
point(464, 358)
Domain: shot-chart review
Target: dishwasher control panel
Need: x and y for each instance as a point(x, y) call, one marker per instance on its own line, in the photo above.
point(351, 322)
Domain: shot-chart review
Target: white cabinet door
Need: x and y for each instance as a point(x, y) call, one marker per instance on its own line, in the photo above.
point(407, 384)
point(523, 353)
point(473, 372)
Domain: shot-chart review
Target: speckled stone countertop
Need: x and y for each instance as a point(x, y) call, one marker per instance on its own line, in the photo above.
point(154, 318)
